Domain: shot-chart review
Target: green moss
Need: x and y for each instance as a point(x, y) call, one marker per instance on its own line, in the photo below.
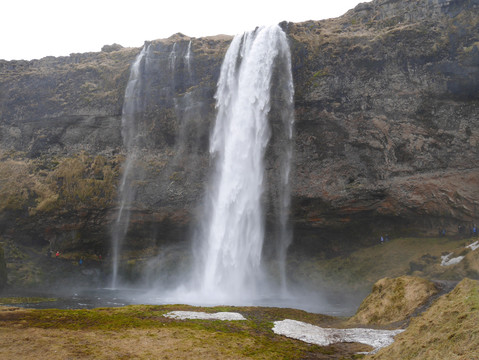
point(252, 338)
point(46, 185)
point(16, 185)
point(84, 181)
point(362, 268)
point(24, 300)
point(176, 176)
point(321, 73)
point(472, 48)
point(86, 319)
point(13, 252)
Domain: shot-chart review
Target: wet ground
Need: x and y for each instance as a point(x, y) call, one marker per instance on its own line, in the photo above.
point(84, 298)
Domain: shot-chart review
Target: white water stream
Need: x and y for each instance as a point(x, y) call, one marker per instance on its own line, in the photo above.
point(188, 58)
point(231, 252)
point(229, 256)
point(129, 130)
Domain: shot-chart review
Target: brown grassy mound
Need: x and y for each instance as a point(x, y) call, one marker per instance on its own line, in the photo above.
point(447, 330)
point(468, 267)
point(393, 300)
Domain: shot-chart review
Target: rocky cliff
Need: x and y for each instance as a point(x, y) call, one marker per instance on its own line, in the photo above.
point(386, 133)
point(387, 108)
point(62, 148)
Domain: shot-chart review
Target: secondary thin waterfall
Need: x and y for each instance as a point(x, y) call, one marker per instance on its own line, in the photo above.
point(188, 59)
point(233, 236)
point(284, 234)
point(132, 105)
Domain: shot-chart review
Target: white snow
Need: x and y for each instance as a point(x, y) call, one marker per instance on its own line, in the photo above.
point(473, 246)
point(445, 261)
point(182, 315)
point(305, 332)
point(325, 336)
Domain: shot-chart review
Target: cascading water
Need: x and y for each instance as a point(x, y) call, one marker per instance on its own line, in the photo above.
point(255, 78)
point(188, 58)
point(284, 235)
point(132, 105)
point(168, 76)
point(230, 267)
point(172, 58)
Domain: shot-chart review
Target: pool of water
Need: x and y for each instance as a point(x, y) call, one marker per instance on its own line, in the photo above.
point(336, 305)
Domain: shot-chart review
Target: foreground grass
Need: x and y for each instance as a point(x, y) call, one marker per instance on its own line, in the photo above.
point(142, 332)
point(449, 329)
point(394, 301)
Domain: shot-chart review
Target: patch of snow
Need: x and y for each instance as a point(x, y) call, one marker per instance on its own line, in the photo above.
point(182, 315)
point(325, 336)
point(445, 261)
point(474, 246)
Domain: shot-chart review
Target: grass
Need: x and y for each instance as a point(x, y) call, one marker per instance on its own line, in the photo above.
point(47, 185)
point(143, 332)
point(24, 300)
point(362, 268)
point(394, 300)
point(106, 331)
point(447, 330)
point(146, 316)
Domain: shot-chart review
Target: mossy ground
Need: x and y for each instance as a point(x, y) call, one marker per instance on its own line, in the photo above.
point(447, 330)
point(23, 300)
point(359, 270)
point(141, 332)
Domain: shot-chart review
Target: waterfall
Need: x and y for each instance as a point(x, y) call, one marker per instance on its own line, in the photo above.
point(232, 240)
point(172, 58)
point(284, 236)
point(132, 105)
point(188, 59)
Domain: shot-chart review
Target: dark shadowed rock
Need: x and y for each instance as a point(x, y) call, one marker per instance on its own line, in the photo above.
point(3, 270)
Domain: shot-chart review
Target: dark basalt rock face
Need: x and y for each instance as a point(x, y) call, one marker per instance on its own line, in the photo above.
point(3, 270)
point(386, 139)
point(62, 148)
point(386, 107)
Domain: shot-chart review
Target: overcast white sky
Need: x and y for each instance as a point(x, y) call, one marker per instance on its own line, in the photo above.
point(32, 29)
